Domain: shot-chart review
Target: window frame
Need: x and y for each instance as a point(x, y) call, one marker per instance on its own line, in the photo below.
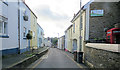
point(3, 28)
point(24, 32)
point(74, 28)
point(4, 34)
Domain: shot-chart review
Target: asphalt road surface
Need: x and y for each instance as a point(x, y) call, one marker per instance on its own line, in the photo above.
point(55, 58)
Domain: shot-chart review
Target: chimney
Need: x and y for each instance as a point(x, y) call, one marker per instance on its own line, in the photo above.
point(74, 15)
point(23, 0)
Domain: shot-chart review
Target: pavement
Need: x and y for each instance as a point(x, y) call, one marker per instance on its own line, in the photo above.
point(56, 58)
point(9, 60)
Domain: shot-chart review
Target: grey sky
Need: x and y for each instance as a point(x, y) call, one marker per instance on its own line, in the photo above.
point(54, 16)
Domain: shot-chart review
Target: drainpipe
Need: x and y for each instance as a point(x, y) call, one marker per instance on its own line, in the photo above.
point(18, 27)
point(80, 53)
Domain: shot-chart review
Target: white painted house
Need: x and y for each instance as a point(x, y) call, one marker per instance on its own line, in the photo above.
point(15, 23)
point(40, 35)
point(25, 22)
point(9, 26)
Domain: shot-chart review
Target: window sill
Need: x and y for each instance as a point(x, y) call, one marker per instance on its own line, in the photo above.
point(25, 38)
point(4, 36)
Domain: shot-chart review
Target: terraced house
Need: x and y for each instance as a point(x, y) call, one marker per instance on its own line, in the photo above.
point(68, 39)
point(9, 27)
point(34, 30)
point(16, 21)
point(40, 36)
point(89, 30)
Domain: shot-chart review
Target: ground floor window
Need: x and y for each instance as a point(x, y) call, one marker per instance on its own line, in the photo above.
point(3, 28)
point(24, 32)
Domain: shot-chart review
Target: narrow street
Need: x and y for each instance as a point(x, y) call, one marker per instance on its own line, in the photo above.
point(55, 58)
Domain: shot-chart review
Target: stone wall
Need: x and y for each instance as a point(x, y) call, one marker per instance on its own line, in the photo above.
point(100, 58)
point(110, 17)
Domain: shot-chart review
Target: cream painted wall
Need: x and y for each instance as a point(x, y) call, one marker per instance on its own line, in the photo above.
point(76, 34)
point(34, 30)
point(69, 39)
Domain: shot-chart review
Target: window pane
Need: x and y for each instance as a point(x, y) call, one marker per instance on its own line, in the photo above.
point(24, 32)
point(5, 27)
point(1, 27)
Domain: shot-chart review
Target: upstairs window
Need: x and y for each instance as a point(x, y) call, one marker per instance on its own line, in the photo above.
point(33, 34)
point(74, 28)
point(81, 22)
point(24, 32)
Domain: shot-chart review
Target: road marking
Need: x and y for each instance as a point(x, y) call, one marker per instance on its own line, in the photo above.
point(41, 59)
point(73, 60)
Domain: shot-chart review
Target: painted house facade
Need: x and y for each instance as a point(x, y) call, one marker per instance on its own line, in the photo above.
point(25, 23)
point(16, 21)
point(92, 20)
point(40, 34)
point(9, 27)
point(69, 34)
point(61, 43)
point(47, 42)
point(34, 31)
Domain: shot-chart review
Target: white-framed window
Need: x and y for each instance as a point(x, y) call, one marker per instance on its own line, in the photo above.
point(34, 21)
point(3, 28)
point(24, 32)
point(81, 22)
point(74, 28)
point(33, 34)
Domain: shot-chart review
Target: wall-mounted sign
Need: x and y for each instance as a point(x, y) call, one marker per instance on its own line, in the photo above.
point(97, 12)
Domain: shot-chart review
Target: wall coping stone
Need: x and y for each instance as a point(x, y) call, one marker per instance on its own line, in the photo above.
point(103, 46)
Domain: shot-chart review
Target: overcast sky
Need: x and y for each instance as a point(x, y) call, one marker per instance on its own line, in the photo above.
point(54, 16)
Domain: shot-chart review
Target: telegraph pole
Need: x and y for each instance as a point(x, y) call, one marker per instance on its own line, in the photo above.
point(80, 25)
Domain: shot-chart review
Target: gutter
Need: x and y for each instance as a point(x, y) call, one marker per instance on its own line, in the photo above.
point(18, 27)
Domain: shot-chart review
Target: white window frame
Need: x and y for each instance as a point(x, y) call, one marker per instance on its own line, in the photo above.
point(24, 32)
point(33, 34)
point(74, 28)
point(3, 28)
point(81, 22)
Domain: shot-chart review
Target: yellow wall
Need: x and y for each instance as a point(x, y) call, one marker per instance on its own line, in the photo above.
point(83, 29)
point(69, 40)
point(76, 34)
point(34, 29)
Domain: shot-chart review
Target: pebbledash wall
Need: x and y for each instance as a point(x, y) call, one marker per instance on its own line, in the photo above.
point(102, 55)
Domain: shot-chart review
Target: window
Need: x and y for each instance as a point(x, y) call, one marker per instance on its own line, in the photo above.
point(34, 21)
point(74, 28)
point(41, 33)
point(81, 22)
point(3, 28)
point(33, 34)
point(24, 33)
